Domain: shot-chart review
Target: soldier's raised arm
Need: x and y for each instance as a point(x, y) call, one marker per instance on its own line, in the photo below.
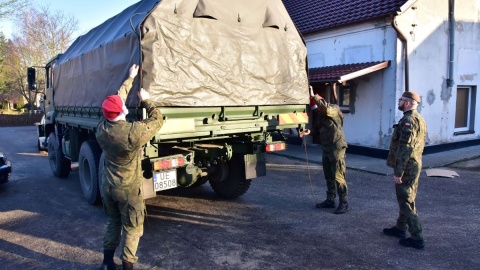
point(127, 84)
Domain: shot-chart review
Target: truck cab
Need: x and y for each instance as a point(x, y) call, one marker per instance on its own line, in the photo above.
point(45, 126)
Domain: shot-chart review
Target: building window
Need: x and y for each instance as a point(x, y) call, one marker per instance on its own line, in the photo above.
point(346, 97)
point(336, 93)
point(465, 110)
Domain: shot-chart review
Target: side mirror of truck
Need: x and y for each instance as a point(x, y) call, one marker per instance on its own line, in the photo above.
point(31, 74)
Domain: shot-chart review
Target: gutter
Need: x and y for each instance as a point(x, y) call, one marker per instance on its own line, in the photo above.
point(451, 35)
point(404, 40)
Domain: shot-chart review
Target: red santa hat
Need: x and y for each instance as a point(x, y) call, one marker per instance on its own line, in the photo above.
point(112, 107)
point(313, 104)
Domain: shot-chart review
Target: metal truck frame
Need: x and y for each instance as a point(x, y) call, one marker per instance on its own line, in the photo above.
point(218, 132)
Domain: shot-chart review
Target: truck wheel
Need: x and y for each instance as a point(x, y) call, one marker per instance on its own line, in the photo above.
point(235, 185)
point(200, 181)
point(100, 170)
point(88, 160)
point(59, 165)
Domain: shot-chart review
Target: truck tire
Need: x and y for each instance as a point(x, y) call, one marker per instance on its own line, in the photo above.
point(200, 182)
point(88, 161)
point(100, 170)
point(235, 185)
point(59, 164)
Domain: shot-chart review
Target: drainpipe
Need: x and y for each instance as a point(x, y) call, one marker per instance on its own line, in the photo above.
point(405, 48)
point(451, 35)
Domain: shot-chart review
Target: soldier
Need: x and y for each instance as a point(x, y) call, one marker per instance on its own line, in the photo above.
point(330, 126)
point(122, 142)
point(405, 157)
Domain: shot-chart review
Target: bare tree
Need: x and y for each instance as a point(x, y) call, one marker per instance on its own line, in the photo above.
point(14, 70)
point(42, 35)
point(11, 8)
point(3, 54)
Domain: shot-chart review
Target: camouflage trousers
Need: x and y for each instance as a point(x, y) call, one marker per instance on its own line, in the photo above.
point(334, 168)
point(125, 211)
point(406, 194)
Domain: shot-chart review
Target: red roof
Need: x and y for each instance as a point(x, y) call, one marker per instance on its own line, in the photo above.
point(315, 15)
point(342, 73)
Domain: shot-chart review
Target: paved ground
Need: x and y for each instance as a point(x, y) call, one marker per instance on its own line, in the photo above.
point(45, 222)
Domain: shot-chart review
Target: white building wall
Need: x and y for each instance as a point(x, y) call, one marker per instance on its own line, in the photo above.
point(426, 27)
point(368, 42)
point(467, 55)
point(428, 38)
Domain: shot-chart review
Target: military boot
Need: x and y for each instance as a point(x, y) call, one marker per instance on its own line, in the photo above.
point(395, 232)
point(342, 208)
point(409, 242)
point(326, 204)
point(127, 265)
point(108, 263)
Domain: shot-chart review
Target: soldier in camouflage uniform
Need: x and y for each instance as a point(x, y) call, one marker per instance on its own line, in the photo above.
point(122, 142)
point(405, 157)
point(330, 126)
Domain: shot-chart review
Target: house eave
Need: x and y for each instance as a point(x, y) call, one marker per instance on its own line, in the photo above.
point(406, 6)
point(343, 78)
point(364, 71)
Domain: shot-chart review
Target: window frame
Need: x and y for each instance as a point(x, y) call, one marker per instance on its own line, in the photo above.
point(350, 107)
point(341, 97)
point(470, 114)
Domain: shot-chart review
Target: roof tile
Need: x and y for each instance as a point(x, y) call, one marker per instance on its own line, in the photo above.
point(315, 15)
point(333, 73)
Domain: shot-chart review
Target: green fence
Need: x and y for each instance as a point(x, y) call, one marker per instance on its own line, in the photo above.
point(8, 120)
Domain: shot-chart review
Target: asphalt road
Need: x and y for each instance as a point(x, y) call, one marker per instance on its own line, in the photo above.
point(46, 224)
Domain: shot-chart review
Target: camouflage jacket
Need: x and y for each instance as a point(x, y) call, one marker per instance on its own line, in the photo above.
point(408, 141)
point(122, 143)
point(329, 125)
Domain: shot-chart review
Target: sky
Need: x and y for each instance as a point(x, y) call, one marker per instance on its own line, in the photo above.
point(89, 13)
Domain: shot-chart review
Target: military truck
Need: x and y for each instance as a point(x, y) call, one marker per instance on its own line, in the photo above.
point(226, 74)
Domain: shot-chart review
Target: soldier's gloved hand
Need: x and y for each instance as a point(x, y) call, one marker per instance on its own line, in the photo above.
point(311, 91)
point(133, 71)
point(143, 94)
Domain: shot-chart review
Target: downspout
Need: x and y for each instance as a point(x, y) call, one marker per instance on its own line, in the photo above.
point(405, 48)
point(334, 91)
point(451, 35)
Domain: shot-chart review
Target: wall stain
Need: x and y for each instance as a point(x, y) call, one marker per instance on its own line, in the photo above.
point(386, 139)
point(459, 27)
point(446, 93)
point(468, 77)
point(430, 97)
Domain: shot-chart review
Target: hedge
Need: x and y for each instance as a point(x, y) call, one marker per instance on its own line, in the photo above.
point(8, 120)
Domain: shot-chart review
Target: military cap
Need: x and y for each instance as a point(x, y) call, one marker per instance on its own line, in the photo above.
point(412, 95)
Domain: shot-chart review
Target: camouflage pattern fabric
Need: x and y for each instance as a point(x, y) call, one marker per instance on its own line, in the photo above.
point(405, 157)
point(125, 210)
point(330, 126)
point(125, 88)
point(122, 143)
point(334, 169)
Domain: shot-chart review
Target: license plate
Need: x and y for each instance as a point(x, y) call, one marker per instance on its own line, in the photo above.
point(165, 180)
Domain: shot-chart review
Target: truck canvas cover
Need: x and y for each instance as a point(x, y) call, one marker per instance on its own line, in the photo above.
point(191, 53)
